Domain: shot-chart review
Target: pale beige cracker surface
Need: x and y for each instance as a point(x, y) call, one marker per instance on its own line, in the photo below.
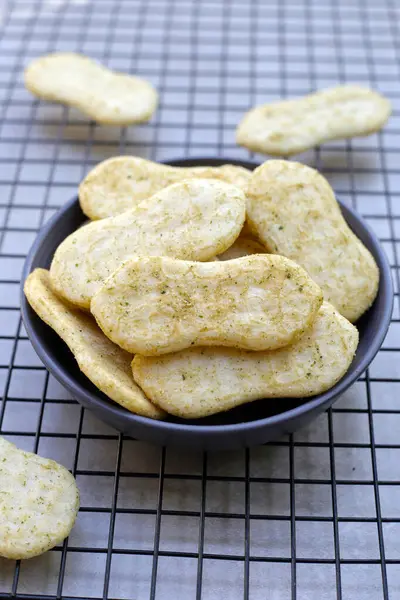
point(243, 246)
point(120, 183)
point(291, 126)
point(192, 220)
point(39, 501)
point(155, 305)
point(293, 211)
point(106, 97)
point(104, 363)
point(198, 382)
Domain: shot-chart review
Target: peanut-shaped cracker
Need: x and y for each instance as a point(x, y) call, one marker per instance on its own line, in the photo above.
point(155, 305)
point(199, 382)
point(293, 211)
point(194, 220)
point(243, 246)
point(291, 126)
point(120, 183)
point(39, 501)
point(104, 363)
point(105, 96)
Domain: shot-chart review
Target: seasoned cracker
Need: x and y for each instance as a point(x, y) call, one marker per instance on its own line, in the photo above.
point(292, 126)
point(192, 220)
point(105, 96)
point(294, 212)
point(199, 382)
point(104, 363)
point(39, 501)
point(156, 305)
point(120, 183)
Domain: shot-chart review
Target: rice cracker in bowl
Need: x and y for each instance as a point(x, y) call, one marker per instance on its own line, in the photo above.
point(104, 363)
point(192, 220)
point(199, 382)
point(39, 501)
point(156, 305)
point(122, 182)
point(293, 211)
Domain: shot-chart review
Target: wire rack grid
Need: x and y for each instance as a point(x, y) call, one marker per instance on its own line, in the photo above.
point(313, 516)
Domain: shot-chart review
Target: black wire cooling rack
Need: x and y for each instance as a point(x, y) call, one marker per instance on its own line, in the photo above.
point(315, 515)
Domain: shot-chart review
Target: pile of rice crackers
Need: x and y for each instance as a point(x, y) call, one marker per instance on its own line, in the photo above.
point(195, 290)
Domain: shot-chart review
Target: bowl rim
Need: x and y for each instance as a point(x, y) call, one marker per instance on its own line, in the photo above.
point(115, 410)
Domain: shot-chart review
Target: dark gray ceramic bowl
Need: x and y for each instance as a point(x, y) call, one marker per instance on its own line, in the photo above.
point(248, 425)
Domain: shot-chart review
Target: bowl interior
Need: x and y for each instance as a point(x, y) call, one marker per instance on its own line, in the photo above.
point(57, 357)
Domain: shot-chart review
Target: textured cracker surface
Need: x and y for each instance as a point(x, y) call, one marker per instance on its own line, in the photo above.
point(104, 363)
point(156, 305)
point(192, 220)
point(243, 246)
point(105, 96)
point(291, 126)
point(39, 501)
point(198, 382)
point(293, 211)
point(120, 183)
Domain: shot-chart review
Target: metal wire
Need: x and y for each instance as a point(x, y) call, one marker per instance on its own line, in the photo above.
point(162, 526)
